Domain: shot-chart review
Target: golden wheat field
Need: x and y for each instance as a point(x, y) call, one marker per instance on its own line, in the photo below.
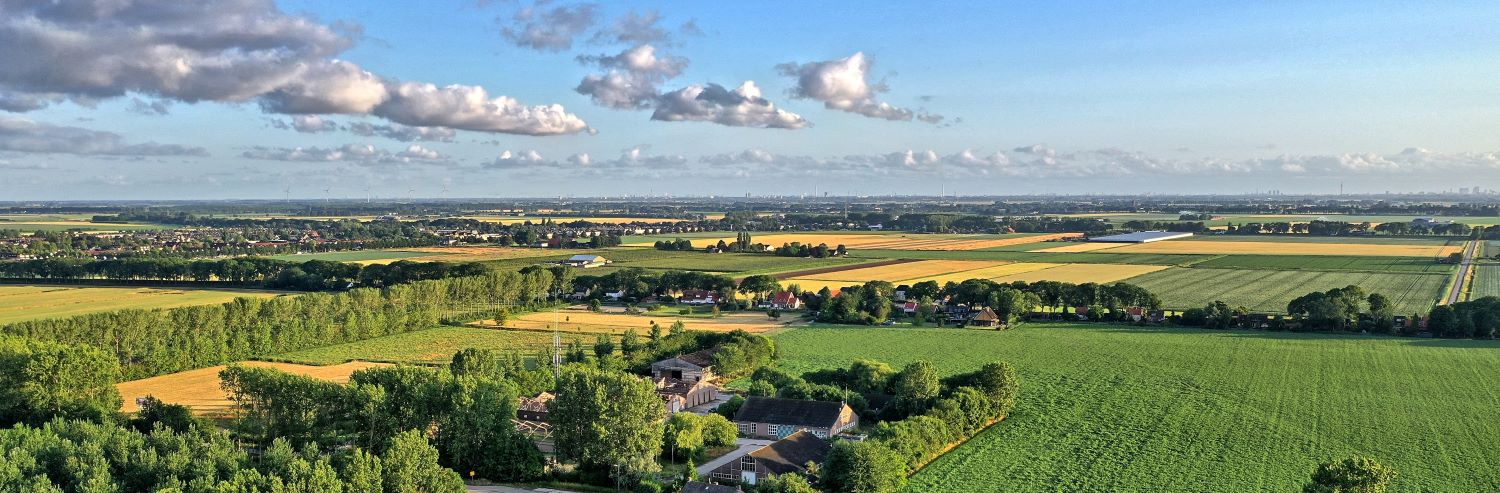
point(989, 270)
point(199, 389)
point(907, 270)
point(580, 320)
point(1081, 247)
point(31, 302)
point(1289, 248)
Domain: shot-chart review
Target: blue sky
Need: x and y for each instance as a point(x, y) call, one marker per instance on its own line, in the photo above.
point(1068, 97)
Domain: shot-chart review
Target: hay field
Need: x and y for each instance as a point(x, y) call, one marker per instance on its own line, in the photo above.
point(892, 241)
point(1285, 248)
point(1082, 273)
point(1080, 247)
point(199, 389)
point(32, 302)
point(584, 321)
point(904, 271)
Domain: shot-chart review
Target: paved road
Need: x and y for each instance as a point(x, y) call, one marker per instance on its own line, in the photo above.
point(1463, 272)
point(746, 445)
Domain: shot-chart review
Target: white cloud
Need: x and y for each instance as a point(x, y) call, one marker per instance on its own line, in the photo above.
point(844, 85)
point(402, 132)
point(515, 160)
point(633, 79)
point(742, 107)
point(27, 136)
point(228, 51)
point(353, 153)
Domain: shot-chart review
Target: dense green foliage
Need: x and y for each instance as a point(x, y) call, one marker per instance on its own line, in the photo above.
point(310, 275)
point(156, 342)
point(609, 423)
point(40, 381)
point(1133, 409)
point(1351, 475)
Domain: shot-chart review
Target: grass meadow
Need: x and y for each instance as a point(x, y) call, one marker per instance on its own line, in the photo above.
point(1271, 290)
point(1111, 408)
point(435, 345)
point(1328, 262)
point(33, 302)
point(1486, 281)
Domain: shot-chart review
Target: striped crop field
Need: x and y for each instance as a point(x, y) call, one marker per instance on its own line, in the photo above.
point(1269, 291)
point(32, 302)
point(1290, 248)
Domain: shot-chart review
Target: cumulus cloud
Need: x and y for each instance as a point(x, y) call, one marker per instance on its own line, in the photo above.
point(150, 108)
point(633, 79)
point(844, 85)
point(472, 108)
point(515, 160)
point(742, 107)
point(228, 51)
point(402, 133)
point(543, 28)
point(22, 135)
point(310, 124)
point(635, 27)
point(352, 153)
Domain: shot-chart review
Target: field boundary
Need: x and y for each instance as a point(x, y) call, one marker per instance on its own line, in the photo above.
point(840, 268)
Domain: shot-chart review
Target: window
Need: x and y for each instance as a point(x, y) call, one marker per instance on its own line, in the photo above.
point(747, 463)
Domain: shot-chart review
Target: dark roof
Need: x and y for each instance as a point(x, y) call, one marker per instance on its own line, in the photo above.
point(986, 315)
point(791, 454)
point(821, 414)
point(703, 358)
point(701, 487)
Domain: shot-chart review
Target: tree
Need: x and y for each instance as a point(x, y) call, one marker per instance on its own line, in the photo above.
point(40, 381)
point(155, 413)
point(863, 467)
point(410, 466)
point(684, 433)
point(678, 328)
point(476, 362)
point(1443, 321)
point(630, 343)
point(718, 431)
point(867, 376)
point(785, 483)
point(915, 386)
point(1383, 312)
point(1350, 475)
point(603, 346)
point(601, 420)
point(655, 334)
point(478, 434)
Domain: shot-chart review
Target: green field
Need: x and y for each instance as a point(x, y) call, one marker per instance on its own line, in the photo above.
point(739, 264)
point(1269, 291)
point(1486, 281)
point(355, 256)
point(1364, 240)
point(1078, 258)
point(1265, 218)
point(1325, 262)
point(32, 302)
point(435, 345)
point(1110, 408)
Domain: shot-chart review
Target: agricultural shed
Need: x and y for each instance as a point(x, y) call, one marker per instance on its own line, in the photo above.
point(1140, 237)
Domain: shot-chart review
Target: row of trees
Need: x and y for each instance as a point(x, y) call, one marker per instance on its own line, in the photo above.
point(871, 302)
point(821, 250)
point(1479, 319)
point(155, 342)
point(311, 275)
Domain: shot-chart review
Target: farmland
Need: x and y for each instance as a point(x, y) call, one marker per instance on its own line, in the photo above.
point(1290, 248)
point(891, 241)
point(1486, 281)
point(31, 302)
point(586, 322)
point(199, 389)
point(435, 345)
point(360, 256)
point(1328, 262)
point(1118, 218)
point(1271, 290)
point(1119, 409)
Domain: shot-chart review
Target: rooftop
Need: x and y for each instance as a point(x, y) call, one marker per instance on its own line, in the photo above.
point(797, 412)
point(791, 454)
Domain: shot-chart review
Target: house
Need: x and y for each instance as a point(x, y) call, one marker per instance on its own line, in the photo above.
point(785, 300)
point(533, 408)
point(701, 487)
point(685, 381)
point(900, 293)
point(699, 297)
point(909, 307)
point(958, 314)
point(770, 417)
point(789, 455)
point(1135, 313)
point(585, 261)
point(985, 318)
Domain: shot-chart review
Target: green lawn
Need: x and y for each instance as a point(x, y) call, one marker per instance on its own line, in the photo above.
point(1271, 290)
point(1328, 262)
point(435, 345)
point(1111, 408)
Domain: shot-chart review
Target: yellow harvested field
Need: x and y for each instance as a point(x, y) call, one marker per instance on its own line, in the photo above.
point(1082, 273)
point(904, 271)
point(199, 389)
point(479, 254)
point(31, 302)
point(895, 241)
point(581, 320)
point(990, 273)
point(1081, 247)
point(1288, 248)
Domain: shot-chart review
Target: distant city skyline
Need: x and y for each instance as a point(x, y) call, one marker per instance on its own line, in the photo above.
point(259, 99)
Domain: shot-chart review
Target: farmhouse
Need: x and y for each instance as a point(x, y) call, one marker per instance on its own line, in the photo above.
point(785, 300)
point(785, 456)
point(685, 381)
point(698, 297)
point(533, 408)
point(585, 261)
point(769, 417)
point(1140, 237)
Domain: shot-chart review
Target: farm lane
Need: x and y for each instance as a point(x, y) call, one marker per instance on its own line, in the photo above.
point(1463, 271)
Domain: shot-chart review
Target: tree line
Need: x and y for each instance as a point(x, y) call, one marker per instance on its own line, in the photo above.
point(310, 275)
point(156, 342)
